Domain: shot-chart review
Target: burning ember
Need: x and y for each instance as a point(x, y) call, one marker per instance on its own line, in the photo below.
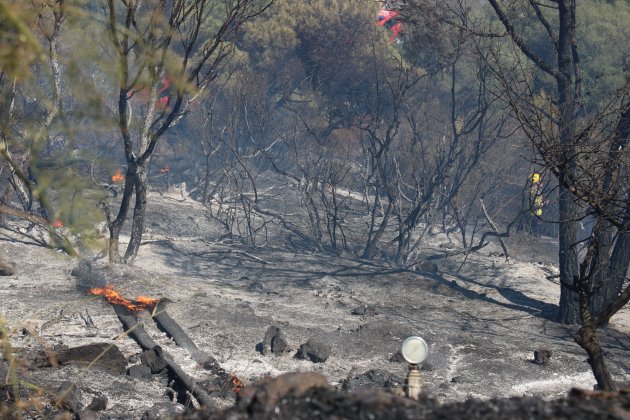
point(138, 304)
point(238, 384)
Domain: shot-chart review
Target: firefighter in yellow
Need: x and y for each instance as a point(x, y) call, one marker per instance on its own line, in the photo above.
point(533, 203)
point(537, 201)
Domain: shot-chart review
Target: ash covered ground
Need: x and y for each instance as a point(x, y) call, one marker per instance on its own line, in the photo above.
point(483, 320)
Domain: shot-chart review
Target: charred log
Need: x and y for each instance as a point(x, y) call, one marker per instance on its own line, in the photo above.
point(174, 331)
point(136, 331)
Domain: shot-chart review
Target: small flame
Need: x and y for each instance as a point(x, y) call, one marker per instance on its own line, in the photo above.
point(57, 224)
point(138, 304)
point(118, 177)
point(238, 384)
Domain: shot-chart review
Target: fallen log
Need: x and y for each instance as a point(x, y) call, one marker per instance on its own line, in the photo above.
point(174, 331)
point(134, 328)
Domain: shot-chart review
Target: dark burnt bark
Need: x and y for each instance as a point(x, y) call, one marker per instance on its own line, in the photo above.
point(601, 265)
point(139, 211)
point(136, 331)
point(617, 270)
point(116, 225)
point(569, 308)
point(612, 263)
point(587, 338)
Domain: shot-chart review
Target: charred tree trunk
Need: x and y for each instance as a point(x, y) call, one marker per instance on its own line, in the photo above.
point(139, 211)
point(569, 311)
point(374, 236)
point(612, 263)
point(617, 270)
point(206, 182)
point(602, 260)
point(116, 225)
point(587, 338)
point(569, 306)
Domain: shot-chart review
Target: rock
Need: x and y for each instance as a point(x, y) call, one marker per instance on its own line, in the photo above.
point(397, 357)
point(314, 350)
point(460, 380)
point(154, 359)
point(373, 379)
point(163, 411)
point(274, 342)
point(99, 403)
point(86, 415)
point(263, 396)
point(68, 397)
point(108, 357)
point(6, 268)
point(140, 371)
point(256, 286)
point(366, 310)
point(211, 364)
point(426, 266)
point(542, 356)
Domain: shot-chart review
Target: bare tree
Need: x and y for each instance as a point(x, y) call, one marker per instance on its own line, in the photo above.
point(565, 71)
point(588, 156)
point(183, 42)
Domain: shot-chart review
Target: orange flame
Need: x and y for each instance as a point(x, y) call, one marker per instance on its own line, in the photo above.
point(118, 176)
point(238, 384)
point(138, 304)
point(57, 223)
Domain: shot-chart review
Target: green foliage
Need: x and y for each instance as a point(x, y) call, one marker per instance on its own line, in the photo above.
point(603, 39)
point(18, 45)
point(320, 50)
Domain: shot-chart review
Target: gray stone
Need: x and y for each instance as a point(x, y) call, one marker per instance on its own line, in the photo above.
point(165, 410)
point(140, 371)
point(68, 397)
point(154, 359)
point(542, 356)
point(366, 310)
point(274, 342)
point(86, 415)
point(98, 403)
point(6, 268)
point(101, 356)
point(256, 286)
point(314, 350)
point(397, 357)
point(373, 379)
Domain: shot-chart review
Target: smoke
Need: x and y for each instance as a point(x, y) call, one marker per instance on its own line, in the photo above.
point(87, 277)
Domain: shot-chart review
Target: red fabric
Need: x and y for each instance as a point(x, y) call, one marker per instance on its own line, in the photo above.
point(384, 15)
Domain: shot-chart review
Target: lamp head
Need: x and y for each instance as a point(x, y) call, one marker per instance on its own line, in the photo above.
point(414, 350)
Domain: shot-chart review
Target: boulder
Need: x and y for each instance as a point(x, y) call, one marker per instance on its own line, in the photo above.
point(314, 350)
